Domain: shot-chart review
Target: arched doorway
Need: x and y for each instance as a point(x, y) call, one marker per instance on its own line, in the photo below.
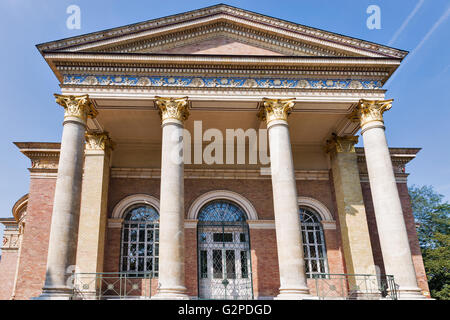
point(224, 263)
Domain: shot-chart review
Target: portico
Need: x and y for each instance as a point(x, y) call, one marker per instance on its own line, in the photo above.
point(217, 148)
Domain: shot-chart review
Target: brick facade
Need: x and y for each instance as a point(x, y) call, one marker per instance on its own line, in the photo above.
point(33, 258)
point(263, 241)
point(8, 265)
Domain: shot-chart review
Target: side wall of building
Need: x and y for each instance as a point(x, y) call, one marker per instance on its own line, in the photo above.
point(33, 258)
point(8, 265)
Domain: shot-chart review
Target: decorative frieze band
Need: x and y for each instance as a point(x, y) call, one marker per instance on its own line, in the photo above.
point(219, 82)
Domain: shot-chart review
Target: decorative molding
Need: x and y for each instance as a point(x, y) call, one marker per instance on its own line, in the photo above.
point(328, 225)
point(317, 206)
point(256, 38)
point(222, 12)
point(243, 202)
point(261, 224)
point(325, 95)
point(245, 174)
point(190, 223)
point(19, 210)
point(121, 207)
point(115, 223)
point(400, 157)
point(218, 82)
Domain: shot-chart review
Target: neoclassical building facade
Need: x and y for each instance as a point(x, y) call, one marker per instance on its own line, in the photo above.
point(211, 155)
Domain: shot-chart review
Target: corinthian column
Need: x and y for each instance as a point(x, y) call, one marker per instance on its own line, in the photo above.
point(66, 205)
point(287, 218)
point(386, 201)
point(173, 112)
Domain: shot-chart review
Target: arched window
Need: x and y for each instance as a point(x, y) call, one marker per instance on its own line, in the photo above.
point(314, 249)
point(221, 210)
point(140, 240)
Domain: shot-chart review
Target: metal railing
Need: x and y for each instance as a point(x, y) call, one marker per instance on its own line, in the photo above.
point(355, 286)
point(112, 285)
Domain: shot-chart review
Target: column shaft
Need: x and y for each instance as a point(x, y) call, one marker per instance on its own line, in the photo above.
point(66, 206)
point(171, 244)
point(287, 218)
point(386, 201)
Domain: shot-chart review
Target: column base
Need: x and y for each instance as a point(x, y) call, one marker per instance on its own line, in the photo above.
point(295, 294)
point(55, 294)
point(410, 294)
point(171, 294)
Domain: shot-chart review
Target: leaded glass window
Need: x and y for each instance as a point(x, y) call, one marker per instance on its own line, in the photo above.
point(314, 250)
point(221, 211)
point(140, 240)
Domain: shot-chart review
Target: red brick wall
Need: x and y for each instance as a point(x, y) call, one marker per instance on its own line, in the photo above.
point(111, 258)
point(190, 254)
point(266, 279)
point(7, 273)
point(263, 241)
point(33, 257)
point(410, 226)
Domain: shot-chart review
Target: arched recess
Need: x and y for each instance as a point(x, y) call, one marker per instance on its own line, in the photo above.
point(318, 206)
point(127, 202)
point(243, 202)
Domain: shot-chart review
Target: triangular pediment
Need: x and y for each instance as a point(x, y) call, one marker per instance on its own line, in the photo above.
point(218, 45)
point(221, 30)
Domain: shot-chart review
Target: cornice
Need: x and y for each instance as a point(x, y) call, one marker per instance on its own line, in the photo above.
point(400, 157)
point(44, 156)
point(222, 93)
point(242, 34)
point(217, 12)
point(247, 174)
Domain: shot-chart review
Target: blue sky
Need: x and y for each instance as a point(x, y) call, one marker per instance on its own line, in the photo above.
point(421, 87)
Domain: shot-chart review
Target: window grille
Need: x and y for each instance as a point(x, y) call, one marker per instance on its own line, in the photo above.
point(314, 249)
point(140, 240)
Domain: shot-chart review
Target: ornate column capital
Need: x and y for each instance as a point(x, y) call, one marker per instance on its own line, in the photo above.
point(79, 107)
point(275, 109)
point(98, 141)
point(370, 110)
point(344, 144)
point(172, 108)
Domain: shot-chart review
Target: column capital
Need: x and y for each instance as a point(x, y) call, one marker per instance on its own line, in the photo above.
point(344, 144)
point(98, 141)
point(79, 107)
point(275, 109)
point(370, 110)
point(173, 108)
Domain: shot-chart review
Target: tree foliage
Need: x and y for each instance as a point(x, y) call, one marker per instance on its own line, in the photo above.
point(433, 217)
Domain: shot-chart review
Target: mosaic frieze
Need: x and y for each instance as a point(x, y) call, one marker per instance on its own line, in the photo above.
point(219, 82)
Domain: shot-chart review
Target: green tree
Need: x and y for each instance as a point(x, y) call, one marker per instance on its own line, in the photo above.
point(433, 217)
